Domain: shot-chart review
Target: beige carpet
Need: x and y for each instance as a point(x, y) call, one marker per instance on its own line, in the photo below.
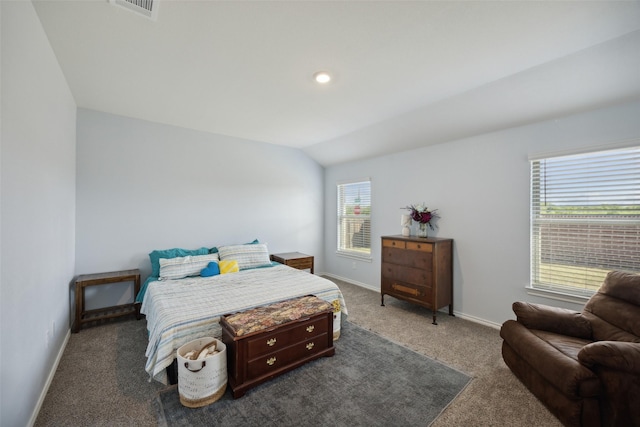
point(95, 387)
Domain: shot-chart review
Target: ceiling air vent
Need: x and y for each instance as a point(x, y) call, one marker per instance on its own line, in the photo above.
point(148, 8)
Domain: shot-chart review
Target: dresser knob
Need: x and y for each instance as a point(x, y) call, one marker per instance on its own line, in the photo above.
point(310, 328)
point(271, 361)
point(310, 346)
point(271, 342)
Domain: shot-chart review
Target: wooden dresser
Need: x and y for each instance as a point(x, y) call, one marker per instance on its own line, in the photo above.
point(256, 357)
point(418, 270)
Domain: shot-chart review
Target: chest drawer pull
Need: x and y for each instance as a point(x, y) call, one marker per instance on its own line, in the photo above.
point(310, 328)
point(271, 361)
point(310, 346)
point(271, 342)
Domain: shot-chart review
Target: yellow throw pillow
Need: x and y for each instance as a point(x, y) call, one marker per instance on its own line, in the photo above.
point(228, 266)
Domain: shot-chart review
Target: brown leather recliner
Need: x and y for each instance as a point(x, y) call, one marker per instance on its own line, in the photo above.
point(585, 367)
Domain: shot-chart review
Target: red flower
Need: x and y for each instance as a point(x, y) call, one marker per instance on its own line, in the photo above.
point(421, 214)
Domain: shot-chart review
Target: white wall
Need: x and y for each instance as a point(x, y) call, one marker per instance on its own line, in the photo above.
point(480, 185)
point(37, 212)
point(145, 186)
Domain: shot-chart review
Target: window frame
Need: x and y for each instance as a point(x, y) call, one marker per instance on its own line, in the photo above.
point(580, 167)
point(348, 250)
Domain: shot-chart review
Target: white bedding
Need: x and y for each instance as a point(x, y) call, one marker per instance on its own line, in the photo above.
point(179, 311)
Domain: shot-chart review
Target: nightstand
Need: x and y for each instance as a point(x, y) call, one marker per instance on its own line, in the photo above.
point(295, 260)
point(86, 280)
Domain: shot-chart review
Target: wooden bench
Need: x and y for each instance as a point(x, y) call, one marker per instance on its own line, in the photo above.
point(268, 341)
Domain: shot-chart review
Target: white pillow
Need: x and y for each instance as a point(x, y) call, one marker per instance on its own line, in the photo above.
point(248, 256)
point(181, 267)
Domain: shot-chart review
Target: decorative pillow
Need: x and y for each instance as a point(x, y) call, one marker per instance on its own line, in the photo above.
point(213, 269)
point(248, 256)
point(214, 250)
point(155, 256)
point(181, 267)
point(228, 266)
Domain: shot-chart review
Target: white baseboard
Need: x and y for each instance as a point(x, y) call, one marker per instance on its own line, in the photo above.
point(457, 313)
point(477, 320)
point(353, 282)
point(52, 373)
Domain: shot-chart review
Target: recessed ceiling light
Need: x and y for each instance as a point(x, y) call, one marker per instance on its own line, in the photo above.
point(322, 77)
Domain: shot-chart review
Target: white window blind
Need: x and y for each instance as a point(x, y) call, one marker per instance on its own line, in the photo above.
point(354, 218)
point(585, 219)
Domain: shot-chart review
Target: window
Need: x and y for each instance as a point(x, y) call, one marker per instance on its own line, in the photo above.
point(354, 218)
point(585, 219)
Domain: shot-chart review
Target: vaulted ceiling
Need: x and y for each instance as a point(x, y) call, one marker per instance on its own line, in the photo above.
point(405, 73)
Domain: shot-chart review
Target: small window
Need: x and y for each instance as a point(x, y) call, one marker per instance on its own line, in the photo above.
point(585, 219)
point(354, 218)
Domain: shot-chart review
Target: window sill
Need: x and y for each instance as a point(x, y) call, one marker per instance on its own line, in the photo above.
point(352, 255)
point(556, 295)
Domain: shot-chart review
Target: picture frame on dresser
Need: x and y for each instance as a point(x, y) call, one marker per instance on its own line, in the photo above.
point(418, 270)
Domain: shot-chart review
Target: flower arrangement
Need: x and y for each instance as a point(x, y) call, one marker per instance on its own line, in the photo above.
point(422, 215)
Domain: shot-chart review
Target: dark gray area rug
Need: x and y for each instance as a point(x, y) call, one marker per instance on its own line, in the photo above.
point(370, 381)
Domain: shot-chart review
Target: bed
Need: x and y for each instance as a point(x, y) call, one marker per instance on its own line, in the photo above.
point(183, 309)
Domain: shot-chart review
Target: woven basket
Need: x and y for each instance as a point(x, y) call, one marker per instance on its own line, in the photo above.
point(202, 382)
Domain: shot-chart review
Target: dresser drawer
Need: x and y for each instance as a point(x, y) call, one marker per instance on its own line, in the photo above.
point(411, 291)
point(272, 362)
point(422, 247)
point(300, 264)
point(393, 244)
point(283, 337)
point(417, 259)
point(417, 276)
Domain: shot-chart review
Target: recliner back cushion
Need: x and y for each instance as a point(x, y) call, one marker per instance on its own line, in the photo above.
point(605, 330)
point(622, 285)
point(614, 311)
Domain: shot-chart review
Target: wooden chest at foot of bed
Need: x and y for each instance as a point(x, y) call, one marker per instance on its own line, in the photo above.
point(265, 342)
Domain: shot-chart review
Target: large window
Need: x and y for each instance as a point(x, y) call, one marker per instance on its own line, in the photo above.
point(354, 218)
point(585, 219)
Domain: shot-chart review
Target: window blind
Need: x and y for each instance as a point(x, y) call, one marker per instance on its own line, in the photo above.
point(585, 219)
point(354, 218)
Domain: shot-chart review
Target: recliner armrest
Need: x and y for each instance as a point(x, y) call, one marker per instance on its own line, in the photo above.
point(552, 319)
point(619, 355)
